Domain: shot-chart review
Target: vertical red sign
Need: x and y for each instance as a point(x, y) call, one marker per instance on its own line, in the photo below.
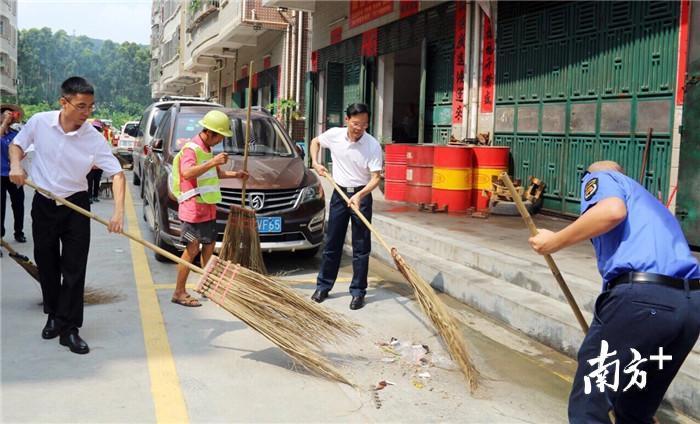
point(266, 62)
point(369, 43)
point(487, 67)
point(336, 35)
point(458, 64)
point(363, 11)
point(314, 61)
point(408, 8)
point(682, 51)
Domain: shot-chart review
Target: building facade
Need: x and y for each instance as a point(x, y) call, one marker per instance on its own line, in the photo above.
point(204, 48)
point(561, 83)
point(8, 50)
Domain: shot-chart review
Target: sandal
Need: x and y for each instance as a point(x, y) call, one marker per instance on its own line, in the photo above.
point(188, 301)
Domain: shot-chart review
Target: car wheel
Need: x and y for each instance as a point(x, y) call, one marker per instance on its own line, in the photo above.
point(158, 239)
point(135, 178)
point(143, 208)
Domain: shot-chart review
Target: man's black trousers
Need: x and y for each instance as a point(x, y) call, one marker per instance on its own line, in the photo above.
point(340, 215)
point(61, 244)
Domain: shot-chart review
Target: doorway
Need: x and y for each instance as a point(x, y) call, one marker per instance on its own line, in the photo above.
point(406, 95)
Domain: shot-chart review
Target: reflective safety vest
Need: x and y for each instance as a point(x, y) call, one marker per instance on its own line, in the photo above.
point(207, 190)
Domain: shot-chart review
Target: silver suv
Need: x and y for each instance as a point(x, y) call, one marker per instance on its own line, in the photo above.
point(150, 119)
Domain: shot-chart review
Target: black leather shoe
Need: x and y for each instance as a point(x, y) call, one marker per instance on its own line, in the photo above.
point(74, 343)
point(357, 302)
point(20, 238)
point(50, 330)
point(319, 295)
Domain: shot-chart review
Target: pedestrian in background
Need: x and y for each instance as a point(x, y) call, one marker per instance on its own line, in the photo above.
point(10, 117)
point(95, 174)
point(357, 163)
point(66, 149)
point(195, 185)
point(650, 300)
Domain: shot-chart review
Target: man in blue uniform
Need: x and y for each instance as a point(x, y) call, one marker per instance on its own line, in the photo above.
point(650, 304)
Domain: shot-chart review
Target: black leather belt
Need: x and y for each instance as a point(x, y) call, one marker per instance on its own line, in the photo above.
point(651, 278)
point(352, 190)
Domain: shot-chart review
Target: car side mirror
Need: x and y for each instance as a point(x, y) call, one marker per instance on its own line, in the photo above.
point(158, 145)
point(300, 150)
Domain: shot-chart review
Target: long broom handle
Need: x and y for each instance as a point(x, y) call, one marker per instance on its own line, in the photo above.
point(548, 258)
point(359, 214)
point(249, 101)
point(102, 221)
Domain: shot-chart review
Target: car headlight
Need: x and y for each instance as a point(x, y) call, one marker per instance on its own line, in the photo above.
point(312, 192)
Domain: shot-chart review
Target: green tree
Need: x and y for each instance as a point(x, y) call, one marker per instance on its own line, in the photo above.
point(119, 72)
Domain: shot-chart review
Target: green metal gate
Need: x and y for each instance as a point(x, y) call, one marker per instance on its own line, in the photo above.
point(578, 82)
point(688, 202)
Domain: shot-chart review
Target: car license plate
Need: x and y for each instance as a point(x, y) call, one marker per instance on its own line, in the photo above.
point(269, 224)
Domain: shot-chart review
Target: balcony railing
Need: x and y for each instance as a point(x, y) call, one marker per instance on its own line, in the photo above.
point(198, 10)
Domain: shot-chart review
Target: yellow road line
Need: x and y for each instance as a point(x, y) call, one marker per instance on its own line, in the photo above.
point(168, 401)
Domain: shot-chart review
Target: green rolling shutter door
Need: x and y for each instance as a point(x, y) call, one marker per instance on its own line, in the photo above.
point(583, 81)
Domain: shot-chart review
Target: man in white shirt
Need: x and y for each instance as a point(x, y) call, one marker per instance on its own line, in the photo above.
point(357, 163)
point(66, 148)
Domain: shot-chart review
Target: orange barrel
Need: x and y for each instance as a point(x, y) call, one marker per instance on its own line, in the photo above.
point(395, 171)
point(452, 178)
point(419, 173)
point(488, 161)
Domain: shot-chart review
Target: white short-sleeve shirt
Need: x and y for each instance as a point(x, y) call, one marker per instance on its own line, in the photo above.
point(62, 160)
point(353, 162)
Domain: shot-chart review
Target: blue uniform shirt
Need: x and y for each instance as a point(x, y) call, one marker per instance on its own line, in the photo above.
point(4, 153)
point(648, 240)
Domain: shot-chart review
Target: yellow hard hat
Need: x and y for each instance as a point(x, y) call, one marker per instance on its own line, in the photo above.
point(217, 121)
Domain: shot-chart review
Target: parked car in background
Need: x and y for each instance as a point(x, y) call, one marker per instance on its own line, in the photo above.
point(150, 119)
point(125, 142)
point(287, 196)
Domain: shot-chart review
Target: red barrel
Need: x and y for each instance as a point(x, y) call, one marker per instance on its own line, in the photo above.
point(419, 173)
point(489, 161)
point(395, 171)
point(452, 178)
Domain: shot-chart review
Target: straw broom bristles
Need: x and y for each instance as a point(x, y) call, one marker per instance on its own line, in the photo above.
point(241, 243)
point(433, 307)
point(297, 326)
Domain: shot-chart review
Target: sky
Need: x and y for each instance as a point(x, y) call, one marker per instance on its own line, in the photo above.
point(119, 21)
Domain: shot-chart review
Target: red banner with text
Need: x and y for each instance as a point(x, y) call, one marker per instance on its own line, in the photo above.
point(487, 67)
point(363, 11)
point(458, 64)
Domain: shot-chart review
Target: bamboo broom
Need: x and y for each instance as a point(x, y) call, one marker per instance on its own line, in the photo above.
point(296, 325)
point(241, 243)
point(91, 296)
point(429, 302)
point(548, 258)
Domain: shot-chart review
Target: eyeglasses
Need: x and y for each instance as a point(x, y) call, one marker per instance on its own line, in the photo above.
point(360, 126)
point(82, 108)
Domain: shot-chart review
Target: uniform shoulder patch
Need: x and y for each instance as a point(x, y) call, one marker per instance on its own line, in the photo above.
point(590, 189)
